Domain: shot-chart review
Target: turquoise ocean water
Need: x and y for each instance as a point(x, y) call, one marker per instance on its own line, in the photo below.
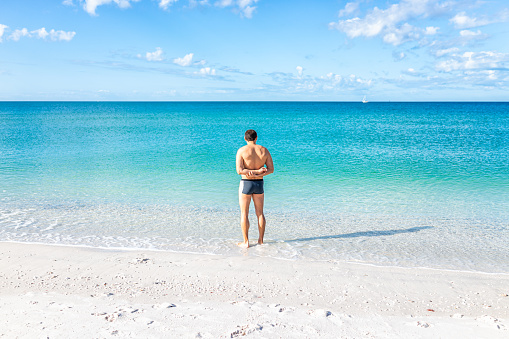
point(408, 184)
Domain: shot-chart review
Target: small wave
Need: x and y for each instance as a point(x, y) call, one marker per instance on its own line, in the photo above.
point(463, 244)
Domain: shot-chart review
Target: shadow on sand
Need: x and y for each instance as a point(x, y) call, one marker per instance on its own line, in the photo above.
point(364, 234)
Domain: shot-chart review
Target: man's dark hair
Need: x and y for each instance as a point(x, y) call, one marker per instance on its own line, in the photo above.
point(250, 135)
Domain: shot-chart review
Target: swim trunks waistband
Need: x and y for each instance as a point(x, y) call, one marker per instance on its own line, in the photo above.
point(251, 179)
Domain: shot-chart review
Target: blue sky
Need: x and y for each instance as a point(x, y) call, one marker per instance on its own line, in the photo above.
point(406, 50)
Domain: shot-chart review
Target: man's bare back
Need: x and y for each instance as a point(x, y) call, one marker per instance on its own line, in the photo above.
point(254, 157)
point(253, 162)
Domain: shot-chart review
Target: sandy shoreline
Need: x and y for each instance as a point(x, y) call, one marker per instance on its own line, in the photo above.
point(57, 291)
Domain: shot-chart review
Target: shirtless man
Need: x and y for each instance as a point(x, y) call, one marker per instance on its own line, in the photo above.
point(251, 162)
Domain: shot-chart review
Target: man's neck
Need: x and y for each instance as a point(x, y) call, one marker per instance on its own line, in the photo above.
point(251, 142)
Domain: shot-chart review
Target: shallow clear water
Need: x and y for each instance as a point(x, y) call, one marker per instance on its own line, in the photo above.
point(411, 184)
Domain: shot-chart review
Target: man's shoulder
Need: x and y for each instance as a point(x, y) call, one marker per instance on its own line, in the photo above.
point(263, 148)
point(242, 149)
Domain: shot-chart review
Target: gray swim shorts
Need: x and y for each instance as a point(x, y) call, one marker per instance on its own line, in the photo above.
point(251, 186)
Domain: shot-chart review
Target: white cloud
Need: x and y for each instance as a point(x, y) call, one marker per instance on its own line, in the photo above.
point(299, 70)
point(224, 3)
point(491, 75)
point(155, 56)
point(473, 61)
point(467, 33)
point(248, 11)
point(448, 66)
point(18, 34)
point(461, 20)
point(400, 35)
point(61, 35)
point(466, 37)
point(442, 52)
point(206, 71)
point(194, 3)
point(2, 30)
point(244, 7)
point(431, 30)
point(414, 73)
point(164, 4)
point(391, 22)
point(330, 82)
point(91, 5)
point(350, 7)
point(184, 61)
point(378, 20)
point(451, 44)
point(42, 33)
point(486, 78)
point(68, 2)
point(398, 56)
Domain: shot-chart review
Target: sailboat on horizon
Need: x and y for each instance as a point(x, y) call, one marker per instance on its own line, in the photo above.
point(364, 101)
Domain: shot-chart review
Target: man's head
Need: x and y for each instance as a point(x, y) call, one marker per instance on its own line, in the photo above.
point(250, 135)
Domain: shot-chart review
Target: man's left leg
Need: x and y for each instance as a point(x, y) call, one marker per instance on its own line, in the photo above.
point(258, 200)
point(244, 201)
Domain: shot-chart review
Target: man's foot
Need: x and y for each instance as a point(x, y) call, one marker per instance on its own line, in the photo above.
point(260, 241)
point(243, 244)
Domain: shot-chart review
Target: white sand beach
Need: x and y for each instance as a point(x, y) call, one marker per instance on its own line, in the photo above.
point(58, 291)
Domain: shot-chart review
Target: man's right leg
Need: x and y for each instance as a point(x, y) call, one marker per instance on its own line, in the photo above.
point(244, 201)
point(258, 203)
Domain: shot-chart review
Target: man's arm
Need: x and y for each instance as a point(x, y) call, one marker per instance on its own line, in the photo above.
point(270, 165)
point(240, 163)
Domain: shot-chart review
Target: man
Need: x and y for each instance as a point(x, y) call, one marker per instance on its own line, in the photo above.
point(253, 163)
